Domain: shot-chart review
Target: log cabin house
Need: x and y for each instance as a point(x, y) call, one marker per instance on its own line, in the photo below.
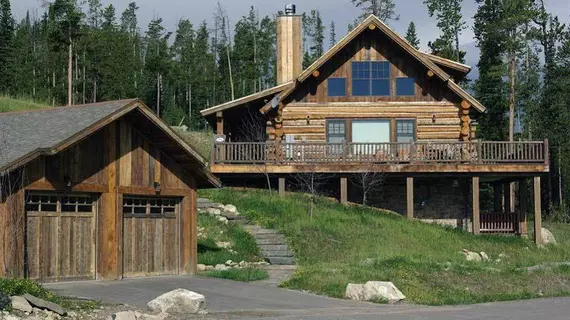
point(99, 191)
point(375, 103)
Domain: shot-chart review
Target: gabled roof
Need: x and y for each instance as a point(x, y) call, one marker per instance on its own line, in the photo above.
point(463, 68)
point(241, 101)
point(26, 135)
point(424, 59)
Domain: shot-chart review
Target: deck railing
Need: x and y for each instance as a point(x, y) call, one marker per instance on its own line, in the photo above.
point(500, 222)
point(472, 152)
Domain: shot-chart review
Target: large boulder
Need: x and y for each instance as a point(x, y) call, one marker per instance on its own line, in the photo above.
point(374, 291)
point(230, 208)
point(547, 237)
point(179, 301)
point(42, 304)
point(21, 304)
point(380, 290)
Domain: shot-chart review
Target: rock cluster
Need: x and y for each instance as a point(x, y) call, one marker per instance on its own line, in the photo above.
point(231, 264)
point(223, 212)
point(32, 308)
point(375, 291)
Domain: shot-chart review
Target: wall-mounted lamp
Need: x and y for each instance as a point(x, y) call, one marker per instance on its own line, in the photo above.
point(308, 119)
point(433, 118)
point(67, 181)
point(157, 187)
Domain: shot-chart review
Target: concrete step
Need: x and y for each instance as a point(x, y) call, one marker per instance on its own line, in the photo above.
point(281, 261)
point(273, 247)
point(270, 240)
point(277, 253)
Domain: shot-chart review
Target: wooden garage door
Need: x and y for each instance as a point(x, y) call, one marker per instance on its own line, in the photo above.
point(150, 236)
point(60, 236)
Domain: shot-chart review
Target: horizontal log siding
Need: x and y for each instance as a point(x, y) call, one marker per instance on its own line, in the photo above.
point(307, 121)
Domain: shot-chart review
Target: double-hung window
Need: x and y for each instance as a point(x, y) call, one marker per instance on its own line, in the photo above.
point(336, 134)
point(405, 131)
point(371, 78)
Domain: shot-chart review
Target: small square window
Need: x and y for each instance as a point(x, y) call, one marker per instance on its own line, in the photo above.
point(405, 87)
point(361, 87)
point(381, 87)
point(337, 87)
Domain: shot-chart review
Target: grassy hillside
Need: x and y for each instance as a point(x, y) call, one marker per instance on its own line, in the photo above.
point(341, 244)
point(199, 141)
point(10, 104)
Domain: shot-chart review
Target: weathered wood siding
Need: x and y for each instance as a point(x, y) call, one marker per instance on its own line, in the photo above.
point(117, 160)
point(435, 110)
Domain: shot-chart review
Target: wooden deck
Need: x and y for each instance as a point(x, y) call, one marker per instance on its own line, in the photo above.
point(428, 157)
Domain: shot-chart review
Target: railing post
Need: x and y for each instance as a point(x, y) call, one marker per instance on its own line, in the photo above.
point(546, 152)
point(344, 151)
point(479, 151)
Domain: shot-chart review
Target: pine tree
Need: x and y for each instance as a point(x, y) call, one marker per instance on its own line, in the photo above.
point(412, 36)
point(451, 24)
point(332, 36)
point(385, 10)
point(6, 35)
point(156, 65)
point(184, 50)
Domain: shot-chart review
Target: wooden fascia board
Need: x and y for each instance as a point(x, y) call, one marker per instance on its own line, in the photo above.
point(244, 100)
point(448, 63)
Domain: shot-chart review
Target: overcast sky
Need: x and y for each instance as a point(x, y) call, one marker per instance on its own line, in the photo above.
point(341, 11)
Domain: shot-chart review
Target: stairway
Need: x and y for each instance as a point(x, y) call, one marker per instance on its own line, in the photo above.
point(272, 244)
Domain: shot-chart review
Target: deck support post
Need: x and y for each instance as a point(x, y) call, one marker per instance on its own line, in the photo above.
point(410, 197)
point(220, 123)
point(507, 198)
point(281, 187)
point(537, 212)
point(523, 200)
point(476, 209)
point(497, 198)
point(512, 197)
point(343, 190)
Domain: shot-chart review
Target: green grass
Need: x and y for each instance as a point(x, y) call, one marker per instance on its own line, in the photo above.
point(243, 275)
point(423, 261)
point(18, 286)
point(199, 141)
point(243, 243)
point(9, 104)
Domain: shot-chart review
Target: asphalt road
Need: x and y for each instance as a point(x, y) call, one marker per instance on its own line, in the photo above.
point(235, 300)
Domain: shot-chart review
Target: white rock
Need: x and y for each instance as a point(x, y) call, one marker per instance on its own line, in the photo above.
point(214, 211)
point(547, 237)
point(224, 245)
point(354, 291)
point(229, 263)
point(143, 316)
point(21, 304)
point(201, 267)
point(484, 256)
point(471, 256)
point(375, 290)
point(223, 220)
point(230, 208)
point(210, 268)
point(10, 317)
point(222, 267)
point(124, 315)
point(179, 301)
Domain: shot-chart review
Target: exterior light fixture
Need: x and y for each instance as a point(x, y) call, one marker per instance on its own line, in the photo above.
point(68, 182)
point(433, 118)
point(157, 187)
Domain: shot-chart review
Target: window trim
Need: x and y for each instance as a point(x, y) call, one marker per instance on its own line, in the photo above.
point(148, 207)
point(59, 204)
point(393, 127)
point(327, 132)
point(414, 126)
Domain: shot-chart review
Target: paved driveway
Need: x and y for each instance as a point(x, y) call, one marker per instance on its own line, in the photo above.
point(228, 299)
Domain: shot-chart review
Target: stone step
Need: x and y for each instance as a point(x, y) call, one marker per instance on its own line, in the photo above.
point(277, 253)
point(273, 247)
point(270, 241)
point(265, 235)
point(281, 261)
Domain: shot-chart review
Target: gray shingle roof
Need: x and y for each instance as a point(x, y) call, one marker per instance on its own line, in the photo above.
point(22, 133)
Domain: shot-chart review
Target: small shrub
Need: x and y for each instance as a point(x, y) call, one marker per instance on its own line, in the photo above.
point(17, 287)
point(5, 302)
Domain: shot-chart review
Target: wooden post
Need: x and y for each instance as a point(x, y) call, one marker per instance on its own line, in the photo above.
point(512, 196)
point(537, 212)
point(507, 198)
point(188, 232)
point(497, 198)
point(281, 187)
point(476, 208)
point(220, 123)
point(523, 226)
point(410, 197)
point(343, 190)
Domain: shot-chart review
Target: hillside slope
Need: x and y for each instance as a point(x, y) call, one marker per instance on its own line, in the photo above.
point(9, 104)
point(341, 244)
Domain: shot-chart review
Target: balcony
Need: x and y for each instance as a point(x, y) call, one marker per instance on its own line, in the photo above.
point(492, 156)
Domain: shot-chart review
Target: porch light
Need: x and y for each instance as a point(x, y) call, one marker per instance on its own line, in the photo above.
point(67, 181)
point(433, 118)
point(308, 119)
point(157, 187)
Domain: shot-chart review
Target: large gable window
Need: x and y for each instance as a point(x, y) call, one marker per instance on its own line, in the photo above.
point(371, 78)
point(336, 87)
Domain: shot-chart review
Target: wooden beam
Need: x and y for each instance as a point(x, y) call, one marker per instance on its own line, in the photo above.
point(430, 74)
point(410, 197)
point(188, 232)
point(343, 190)
point(219, 123)
point(523, 200)
point(476, 207)
point(372, 27)
point(465, 105)
point(59, 186)
point(281, 187)
point(537, 212)
point(316, 74)
point(512, 196)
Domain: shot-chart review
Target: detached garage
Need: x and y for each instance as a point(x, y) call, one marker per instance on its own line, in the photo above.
point(99, 191)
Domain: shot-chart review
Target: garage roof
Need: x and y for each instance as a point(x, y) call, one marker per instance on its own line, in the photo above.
point(25, 135)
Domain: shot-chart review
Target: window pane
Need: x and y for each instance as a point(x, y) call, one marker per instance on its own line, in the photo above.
point(361, 70)
point(405, 130)
point(380, 70)
point(405, 87)
point(337, 87)
point(381, 87)
point(336, 132)
point(360, 87)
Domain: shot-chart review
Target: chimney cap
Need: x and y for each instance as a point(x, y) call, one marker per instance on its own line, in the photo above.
point(290, 9)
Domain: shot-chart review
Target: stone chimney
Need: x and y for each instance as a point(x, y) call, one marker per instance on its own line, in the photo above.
point(289, 45)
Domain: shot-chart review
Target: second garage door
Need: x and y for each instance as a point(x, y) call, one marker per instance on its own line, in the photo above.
point(150, 236)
